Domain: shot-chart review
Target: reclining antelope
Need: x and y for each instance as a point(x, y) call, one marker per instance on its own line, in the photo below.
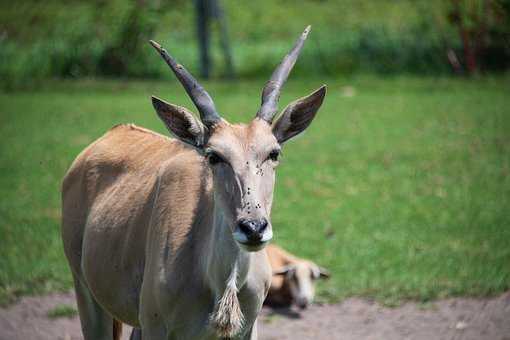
point(293, 279)
point(168, 235)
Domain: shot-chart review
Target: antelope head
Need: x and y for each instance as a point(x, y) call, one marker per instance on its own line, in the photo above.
point(299, 277)
point(242, 157)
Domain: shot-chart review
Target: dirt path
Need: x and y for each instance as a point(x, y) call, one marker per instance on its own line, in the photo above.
point(358, 319)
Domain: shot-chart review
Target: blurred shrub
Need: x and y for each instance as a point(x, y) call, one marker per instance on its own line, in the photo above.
point(483, 27)
point(81, 38)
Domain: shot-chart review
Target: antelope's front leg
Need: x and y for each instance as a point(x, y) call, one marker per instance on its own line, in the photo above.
point(151, 328)
point(136, 334)
point(251, 334)
point(151, 322)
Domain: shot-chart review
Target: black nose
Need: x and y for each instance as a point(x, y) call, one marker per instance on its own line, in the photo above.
point(253, 229)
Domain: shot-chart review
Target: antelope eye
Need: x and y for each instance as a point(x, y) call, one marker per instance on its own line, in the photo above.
point(273, 155)
point(214, 158)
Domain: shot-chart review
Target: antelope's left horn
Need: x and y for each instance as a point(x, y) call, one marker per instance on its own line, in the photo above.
point(202, 100)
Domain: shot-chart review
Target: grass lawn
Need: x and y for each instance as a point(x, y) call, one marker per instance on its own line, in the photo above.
point(401, 186)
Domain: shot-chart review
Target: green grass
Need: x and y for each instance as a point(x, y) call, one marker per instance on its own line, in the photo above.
point(401, 190)
point(62, 311)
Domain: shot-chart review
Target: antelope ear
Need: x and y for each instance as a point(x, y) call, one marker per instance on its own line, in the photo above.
point(319, 272)
point(283, 270)
point(324, 273)
point(180, 122)
point(298, 115)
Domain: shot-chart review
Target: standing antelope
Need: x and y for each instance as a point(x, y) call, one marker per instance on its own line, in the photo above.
point(168, 235)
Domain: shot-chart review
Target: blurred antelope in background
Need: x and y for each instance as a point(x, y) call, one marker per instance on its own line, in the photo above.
point(168, 235)
point(293, 279)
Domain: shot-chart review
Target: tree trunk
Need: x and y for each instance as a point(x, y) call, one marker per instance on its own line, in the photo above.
point(224, 41)
point(203, 36)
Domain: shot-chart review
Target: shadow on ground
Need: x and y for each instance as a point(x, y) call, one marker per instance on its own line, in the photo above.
point(451, 319)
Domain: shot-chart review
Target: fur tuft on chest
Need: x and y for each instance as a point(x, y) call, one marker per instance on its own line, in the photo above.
point(227, 318)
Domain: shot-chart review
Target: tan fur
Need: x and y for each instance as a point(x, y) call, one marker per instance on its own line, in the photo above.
point(284, 289)
point(279, 293)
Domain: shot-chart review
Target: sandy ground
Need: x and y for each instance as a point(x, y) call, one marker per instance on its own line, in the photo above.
point(451, 319)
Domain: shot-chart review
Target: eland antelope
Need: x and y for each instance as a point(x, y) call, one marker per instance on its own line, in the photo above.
point(293, 278)
point(168, 235)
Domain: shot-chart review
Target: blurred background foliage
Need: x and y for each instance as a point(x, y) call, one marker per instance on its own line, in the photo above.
point(78, 38)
